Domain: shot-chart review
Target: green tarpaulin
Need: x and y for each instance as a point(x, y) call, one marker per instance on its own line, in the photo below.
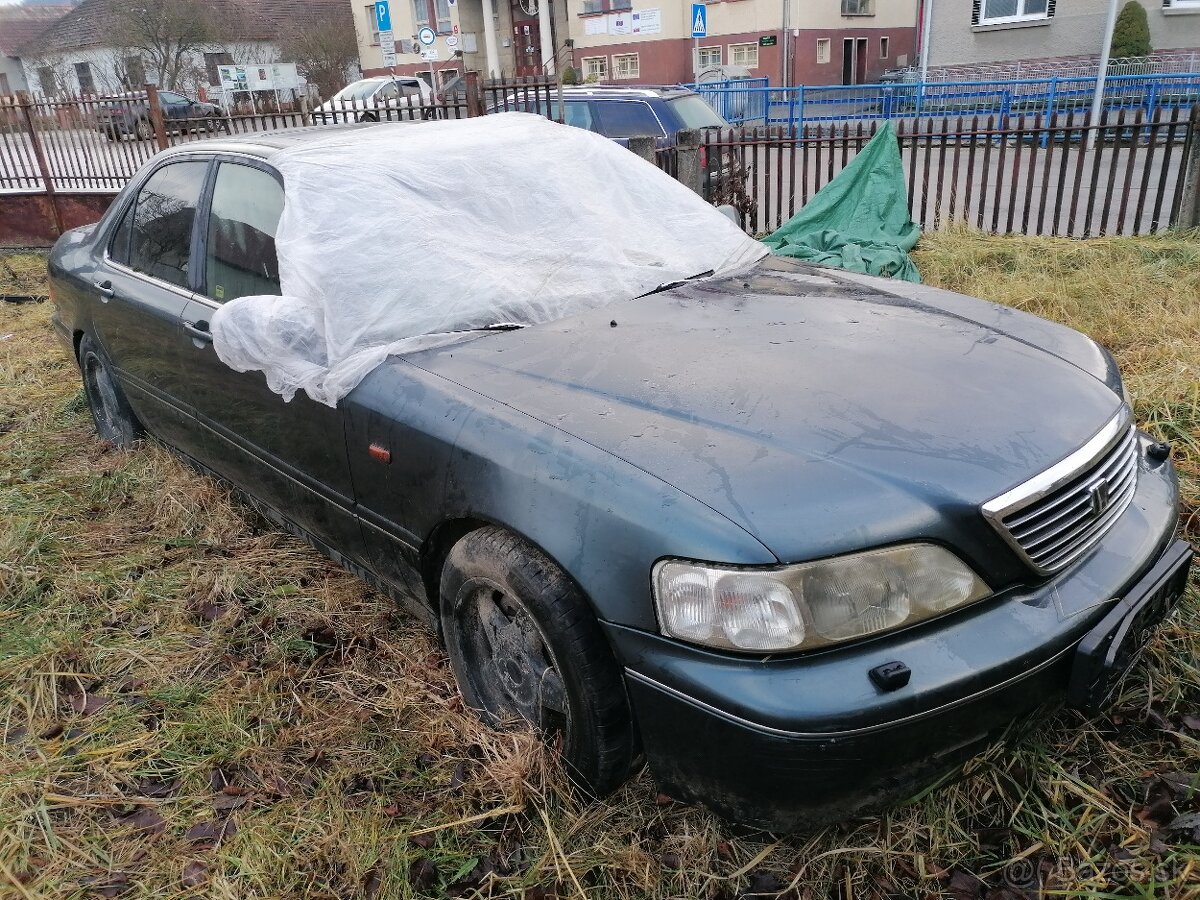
point(859, 221)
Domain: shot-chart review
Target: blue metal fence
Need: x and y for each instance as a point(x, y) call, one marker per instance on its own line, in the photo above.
point(752, 101)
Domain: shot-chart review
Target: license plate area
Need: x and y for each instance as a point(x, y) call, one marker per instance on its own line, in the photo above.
point(1110, 649)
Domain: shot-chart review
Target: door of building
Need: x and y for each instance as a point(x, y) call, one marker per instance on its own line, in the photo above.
point(527, 43)
point(854, 60)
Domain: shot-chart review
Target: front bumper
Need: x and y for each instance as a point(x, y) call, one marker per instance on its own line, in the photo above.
point(794, 742)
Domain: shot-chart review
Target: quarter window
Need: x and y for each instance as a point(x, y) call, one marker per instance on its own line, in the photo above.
point(159, 237)
point(627, 118)
point(577, 114)
point(744, 55)
point(998, 11)
point(625, 65)
point(240, 255)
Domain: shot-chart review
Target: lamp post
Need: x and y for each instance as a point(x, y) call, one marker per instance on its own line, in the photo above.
point(1102, 72)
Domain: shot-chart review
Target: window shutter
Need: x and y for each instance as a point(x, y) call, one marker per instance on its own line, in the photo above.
point(976, 10)
point(1049, 9)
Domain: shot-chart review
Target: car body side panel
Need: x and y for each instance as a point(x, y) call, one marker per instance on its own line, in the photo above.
point(457, 454)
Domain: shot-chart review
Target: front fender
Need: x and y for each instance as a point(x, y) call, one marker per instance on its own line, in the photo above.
point(459, 455)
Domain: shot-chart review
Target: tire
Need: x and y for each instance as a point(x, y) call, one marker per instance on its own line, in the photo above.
point(143, 130)
point(114, 418)
point(368, 117)
point(524, 644)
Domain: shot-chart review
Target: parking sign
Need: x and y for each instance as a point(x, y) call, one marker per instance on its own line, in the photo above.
point(383, 16)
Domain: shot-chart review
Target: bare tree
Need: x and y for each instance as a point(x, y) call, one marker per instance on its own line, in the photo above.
point(168, 35)
point(322, 52)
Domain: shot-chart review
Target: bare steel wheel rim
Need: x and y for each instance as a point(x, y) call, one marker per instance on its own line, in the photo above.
point(505, 659)
point(102, 395)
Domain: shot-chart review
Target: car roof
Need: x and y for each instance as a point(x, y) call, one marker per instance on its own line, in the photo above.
point(264, 143)
point(383, 78)
point(606, 91)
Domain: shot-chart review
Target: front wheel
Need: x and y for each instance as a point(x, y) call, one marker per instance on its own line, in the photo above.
point(114, 418)
point(525, 645)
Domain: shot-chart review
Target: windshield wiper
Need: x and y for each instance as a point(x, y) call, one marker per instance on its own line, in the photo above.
point(675, 284)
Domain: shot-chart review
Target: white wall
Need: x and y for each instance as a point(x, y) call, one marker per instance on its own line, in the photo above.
point(103, 60)
point(1076, 29)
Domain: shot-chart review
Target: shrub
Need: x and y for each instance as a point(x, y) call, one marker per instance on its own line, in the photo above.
point(1131, 35)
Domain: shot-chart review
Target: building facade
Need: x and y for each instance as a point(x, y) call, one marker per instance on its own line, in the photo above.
point(965, 33)
point(88, 51)
point(19, 26)
point(649, 41)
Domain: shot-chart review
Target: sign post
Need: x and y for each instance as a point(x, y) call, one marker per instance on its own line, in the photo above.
point(387, 39)
point(426, 36)
point(699, 30)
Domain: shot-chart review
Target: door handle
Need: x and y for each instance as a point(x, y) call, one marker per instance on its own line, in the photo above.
point(198, 331)
point(104, 289)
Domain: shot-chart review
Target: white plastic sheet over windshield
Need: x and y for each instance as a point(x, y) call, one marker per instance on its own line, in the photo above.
point(401, 237)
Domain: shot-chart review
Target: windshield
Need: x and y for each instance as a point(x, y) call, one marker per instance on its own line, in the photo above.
point(360, 90)
point(693, 112)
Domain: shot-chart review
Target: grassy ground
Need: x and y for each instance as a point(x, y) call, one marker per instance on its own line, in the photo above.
point(194, 704)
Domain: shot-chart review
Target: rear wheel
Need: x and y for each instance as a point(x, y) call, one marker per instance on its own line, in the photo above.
point(525, 646)
point(143, 130)
point(114, 418)
point(368, 117)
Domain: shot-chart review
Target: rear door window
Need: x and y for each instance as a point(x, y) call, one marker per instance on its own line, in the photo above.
point(627, 118)
point(160, 231)
point(244, 215)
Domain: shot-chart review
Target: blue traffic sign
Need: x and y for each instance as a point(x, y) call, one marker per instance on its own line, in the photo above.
point(699, 20)
point(383, 16)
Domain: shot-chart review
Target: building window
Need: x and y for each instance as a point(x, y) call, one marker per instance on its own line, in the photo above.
point(372, 26)
point(744, 55)
point(595, 68)
point(997, 12)
point(625, 65)
point(858, 7)
point(83, 71)
point(1182, 4)
point(432, 13)
point(707, 56)
point(212, 60)
point(47, 82)
point(823, 45)
point(884, 48)
point(135, 72)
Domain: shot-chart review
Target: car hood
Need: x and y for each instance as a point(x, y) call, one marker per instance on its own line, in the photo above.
point(819, 413)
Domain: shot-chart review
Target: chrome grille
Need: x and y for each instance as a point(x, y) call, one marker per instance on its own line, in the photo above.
point(1055, 518)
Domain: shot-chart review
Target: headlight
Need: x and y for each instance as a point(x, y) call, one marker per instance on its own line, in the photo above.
point(812, 604)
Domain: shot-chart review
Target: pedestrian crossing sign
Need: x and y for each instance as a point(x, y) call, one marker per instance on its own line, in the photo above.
point(699, 20)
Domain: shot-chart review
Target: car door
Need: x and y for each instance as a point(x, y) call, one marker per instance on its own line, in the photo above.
point(174, 106)
point(141, 285)
point(290, 455)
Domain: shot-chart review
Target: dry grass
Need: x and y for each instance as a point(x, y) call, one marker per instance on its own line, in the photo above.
point(193, 703)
